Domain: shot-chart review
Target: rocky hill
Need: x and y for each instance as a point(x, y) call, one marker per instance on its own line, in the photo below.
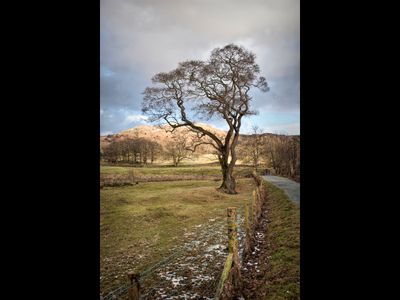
point(152, 133)
point(161, 135)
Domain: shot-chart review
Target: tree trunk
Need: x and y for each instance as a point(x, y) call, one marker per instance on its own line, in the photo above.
point(228, 181)
point(145, 158)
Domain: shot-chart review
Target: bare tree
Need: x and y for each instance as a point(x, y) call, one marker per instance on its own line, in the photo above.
point(155, 149)
point(111, 152)
point(179, 149)
point(252, 149)
point(218, 87)
point(148, 150)
point(283, 153)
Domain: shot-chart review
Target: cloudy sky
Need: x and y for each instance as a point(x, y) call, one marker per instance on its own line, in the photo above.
point(140, 38)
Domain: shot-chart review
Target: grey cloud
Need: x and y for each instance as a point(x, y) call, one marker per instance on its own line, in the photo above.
point(158, 34)
point(122, 88)
point(140, 38)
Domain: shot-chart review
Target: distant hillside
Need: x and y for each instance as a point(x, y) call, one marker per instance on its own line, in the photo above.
point(160, 135)
point(152, 133)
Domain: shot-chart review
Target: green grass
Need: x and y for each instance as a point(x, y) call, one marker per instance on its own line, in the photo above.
point(180, 170)
point(140, 224)
point(207, 170)
point(283, 235)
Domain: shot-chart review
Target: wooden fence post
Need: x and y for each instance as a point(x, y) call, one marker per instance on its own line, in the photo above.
point(134, 288)
point(230, 280)
point(232, 230)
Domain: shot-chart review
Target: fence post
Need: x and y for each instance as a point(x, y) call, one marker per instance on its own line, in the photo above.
point(134, 288)
point(232, 230)
point(230, 278)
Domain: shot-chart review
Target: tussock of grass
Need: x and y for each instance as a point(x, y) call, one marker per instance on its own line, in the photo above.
point(283, 236)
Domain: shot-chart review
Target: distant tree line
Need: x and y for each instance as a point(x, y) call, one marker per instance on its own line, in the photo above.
point(131, 150)
point(143, 151)
point(281, 153)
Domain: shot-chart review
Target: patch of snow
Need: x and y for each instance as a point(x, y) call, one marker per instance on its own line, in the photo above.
point(215, 247)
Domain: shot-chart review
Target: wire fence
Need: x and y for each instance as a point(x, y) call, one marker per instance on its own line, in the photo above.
point(122, 290)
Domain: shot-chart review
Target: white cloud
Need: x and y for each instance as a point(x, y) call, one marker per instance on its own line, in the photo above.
point(101, 112)
point(290, 128)
point(106, 132)
point(136, 119)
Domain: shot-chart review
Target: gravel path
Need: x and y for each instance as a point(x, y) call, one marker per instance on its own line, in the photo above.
point(292, 188)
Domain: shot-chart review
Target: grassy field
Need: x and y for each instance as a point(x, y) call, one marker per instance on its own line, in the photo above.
point(161, 170)
point(181, 170)
point(111, 175)
point(283, 235)
point(143, 223)
point(140, 224)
